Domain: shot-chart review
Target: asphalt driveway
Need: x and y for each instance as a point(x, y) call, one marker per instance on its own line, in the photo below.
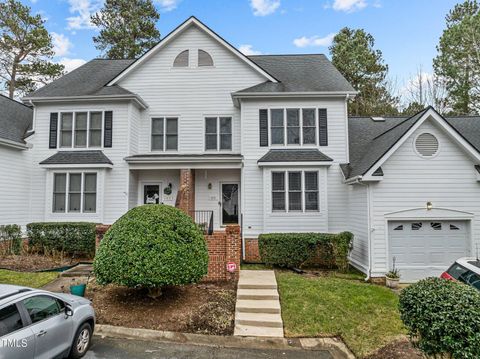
point(103, 348)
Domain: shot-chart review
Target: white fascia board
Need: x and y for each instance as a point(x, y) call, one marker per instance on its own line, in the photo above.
point(439, 120)
point(136, 98)
point(167, 39)
point(67, 166)
point(13, 144)
point(182, 165)
point(295, 164)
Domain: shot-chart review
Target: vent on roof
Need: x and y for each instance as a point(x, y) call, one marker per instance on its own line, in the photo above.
point(426, 145)
point(378, 119)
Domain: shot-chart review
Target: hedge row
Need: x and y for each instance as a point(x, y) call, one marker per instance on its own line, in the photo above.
point(294, 249)
point(66, 237)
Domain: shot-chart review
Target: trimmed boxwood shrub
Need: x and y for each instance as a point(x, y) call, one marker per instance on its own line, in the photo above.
point(294, 249)
point(76, 238)
point(152, 246)
point(12, 235)
point(442, 317)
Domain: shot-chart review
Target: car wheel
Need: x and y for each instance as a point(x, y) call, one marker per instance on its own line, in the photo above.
point(81, 341)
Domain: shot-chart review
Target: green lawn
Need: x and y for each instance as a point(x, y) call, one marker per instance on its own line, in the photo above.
point(364, 315)
point(34, 280)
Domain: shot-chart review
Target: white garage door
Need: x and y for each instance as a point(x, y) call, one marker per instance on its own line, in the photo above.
point(426, 248)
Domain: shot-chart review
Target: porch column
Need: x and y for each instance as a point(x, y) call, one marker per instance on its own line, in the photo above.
point(186, 192)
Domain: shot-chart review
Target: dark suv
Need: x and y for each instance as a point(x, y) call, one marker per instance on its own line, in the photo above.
point(465, 270)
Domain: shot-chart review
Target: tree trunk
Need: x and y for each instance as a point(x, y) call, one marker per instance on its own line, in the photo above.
point(11, 85)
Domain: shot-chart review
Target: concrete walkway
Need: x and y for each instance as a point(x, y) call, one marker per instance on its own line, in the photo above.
point(258, 312)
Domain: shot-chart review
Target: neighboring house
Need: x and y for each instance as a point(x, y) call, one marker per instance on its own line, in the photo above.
point(263, 141)
point(15, 161)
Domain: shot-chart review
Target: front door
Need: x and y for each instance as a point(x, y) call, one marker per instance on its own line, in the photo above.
point(230, 203)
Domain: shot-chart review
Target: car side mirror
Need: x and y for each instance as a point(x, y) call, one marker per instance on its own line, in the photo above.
point(68, 311)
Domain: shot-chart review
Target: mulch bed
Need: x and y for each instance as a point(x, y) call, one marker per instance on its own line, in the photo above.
point(36, 262)
point(401, 349)
point(197, 308)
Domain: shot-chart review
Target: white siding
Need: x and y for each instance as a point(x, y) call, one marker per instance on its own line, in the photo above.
point(14, 185)
point(208, 199)
point(255, 190)
point(163, 177)
point(357, 210)
point(113, 181)
point(447, 180)
point(190, 93)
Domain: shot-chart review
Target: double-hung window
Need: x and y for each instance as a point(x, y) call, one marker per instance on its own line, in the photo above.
point(295, 191)
point(75, 192)
point(218, 133)
point(164, 134)
point(293, 126)
point(81, 129)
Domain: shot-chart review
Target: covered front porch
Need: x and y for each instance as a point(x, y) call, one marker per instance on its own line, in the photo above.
point(205, 187)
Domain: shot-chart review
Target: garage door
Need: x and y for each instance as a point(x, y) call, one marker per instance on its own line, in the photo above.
point(426, 248)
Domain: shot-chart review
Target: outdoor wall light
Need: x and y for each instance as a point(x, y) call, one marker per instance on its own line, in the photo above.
point(429, 206)
point(210, 185)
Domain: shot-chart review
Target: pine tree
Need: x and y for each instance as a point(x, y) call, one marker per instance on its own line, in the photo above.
point(127, 28)
point(353, 54)
point(458, 59)
point(25, 50)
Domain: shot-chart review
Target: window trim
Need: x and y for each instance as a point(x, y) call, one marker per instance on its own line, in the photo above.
point(164, 144)
point(67, 193)
point(188, 59)
point(285, 127)
point(287, 190)
point(198, 59)
point(218, 149)
point(74, 117)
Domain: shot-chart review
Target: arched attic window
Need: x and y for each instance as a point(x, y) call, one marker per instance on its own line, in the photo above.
point(204, 58)
point(182, 59)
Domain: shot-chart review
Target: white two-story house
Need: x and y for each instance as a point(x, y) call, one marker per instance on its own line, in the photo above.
point(263, 141)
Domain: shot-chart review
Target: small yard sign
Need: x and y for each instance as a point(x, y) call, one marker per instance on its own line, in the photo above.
point(231, 267)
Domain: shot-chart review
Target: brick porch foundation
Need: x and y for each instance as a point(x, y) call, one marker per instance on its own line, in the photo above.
point(252, 253)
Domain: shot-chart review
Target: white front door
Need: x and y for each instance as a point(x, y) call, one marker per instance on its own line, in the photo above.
point(426, 248)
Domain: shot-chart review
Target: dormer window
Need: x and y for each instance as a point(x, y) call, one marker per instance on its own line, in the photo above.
point(204, 59)
point(182, 59)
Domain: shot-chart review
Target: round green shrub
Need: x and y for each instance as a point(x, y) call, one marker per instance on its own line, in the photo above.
point(152, 246)
point(442, 317)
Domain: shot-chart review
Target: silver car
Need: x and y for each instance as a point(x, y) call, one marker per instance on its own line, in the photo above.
point(43, 325)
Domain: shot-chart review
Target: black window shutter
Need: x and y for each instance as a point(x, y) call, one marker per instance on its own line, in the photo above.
point(107, 131)
point(52, 143)
point(263, 116)
point(322, 127)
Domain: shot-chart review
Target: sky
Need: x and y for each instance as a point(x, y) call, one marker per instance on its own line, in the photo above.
point(406, 31)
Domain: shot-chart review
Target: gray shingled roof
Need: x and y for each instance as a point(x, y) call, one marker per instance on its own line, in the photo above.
point(77, 158)
point(373, 138)
point(294, 155)
point(299, 73)
point(15, 120)
point(87, 80)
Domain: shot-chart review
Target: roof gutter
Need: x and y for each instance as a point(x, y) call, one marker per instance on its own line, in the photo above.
point(353, 180)
point(13, 144)
point(133, 97)
point(236, 96)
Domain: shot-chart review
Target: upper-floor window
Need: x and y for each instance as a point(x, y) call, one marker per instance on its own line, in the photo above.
point(204, 58)
point(295, 126)
point(295, 191)
point(182, 59)
point(164, 134)
point(81, 129)
point(218, 133)
point(75, 192)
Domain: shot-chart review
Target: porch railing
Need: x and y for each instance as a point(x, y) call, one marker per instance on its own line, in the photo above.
point(204, 219)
